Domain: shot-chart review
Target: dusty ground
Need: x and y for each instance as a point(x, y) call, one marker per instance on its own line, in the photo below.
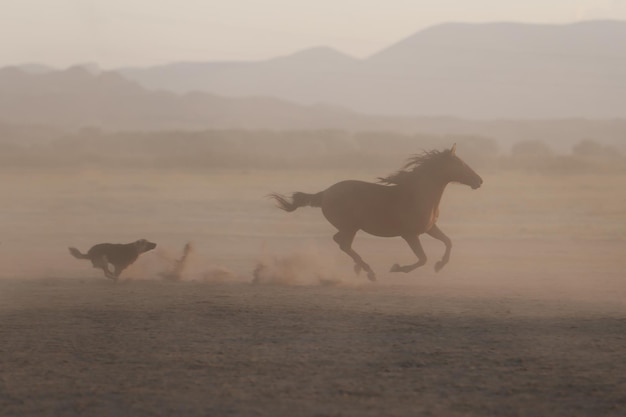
point(84, 347)
point(528, 319)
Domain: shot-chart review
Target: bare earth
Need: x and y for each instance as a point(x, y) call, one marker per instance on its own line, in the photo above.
point(91, 348)
point(528, 319)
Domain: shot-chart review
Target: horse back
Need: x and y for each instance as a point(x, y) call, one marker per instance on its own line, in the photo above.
point(375, 208)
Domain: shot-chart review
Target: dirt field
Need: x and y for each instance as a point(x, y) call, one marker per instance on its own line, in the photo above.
point(528, 319)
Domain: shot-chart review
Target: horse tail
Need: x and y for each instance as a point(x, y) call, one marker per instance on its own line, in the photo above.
point(297, 199)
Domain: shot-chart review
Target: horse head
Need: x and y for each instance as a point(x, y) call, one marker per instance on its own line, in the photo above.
point(458, 171)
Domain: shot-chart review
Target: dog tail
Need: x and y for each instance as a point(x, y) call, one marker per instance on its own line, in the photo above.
point(76, 254)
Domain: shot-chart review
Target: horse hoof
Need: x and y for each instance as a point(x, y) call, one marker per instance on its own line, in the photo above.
point(371, 276)
point(438, 266)
point(395, 268)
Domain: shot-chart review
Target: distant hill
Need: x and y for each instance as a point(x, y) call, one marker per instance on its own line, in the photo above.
point(32, 104)
point(494, 70)
point(77, 97)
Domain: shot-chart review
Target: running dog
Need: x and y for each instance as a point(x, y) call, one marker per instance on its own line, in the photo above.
point(120, 255)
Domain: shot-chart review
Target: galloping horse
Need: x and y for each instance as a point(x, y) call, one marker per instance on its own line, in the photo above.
point(404, 204)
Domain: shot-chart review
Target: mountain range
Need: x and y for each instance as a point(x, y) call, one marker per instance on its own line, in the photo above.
point(510, 82)
point(479, 71)
point(77, 98)
point(39, 106)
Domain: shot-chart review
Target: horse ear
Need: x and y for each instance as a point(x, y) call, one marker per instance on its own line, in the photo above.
point(453, 149)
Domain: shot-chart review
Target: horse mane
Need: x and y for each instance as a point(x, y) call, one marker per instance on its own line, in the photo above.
point(414, 166)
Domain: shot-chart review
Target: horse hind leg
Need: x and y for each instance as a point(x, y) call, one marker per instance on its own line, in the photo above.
point(416, 246)
point(344, 240)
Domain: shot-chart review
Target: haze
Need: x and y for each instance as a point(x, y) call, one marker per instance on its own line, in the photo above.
point(141, 32)
point(172, 121)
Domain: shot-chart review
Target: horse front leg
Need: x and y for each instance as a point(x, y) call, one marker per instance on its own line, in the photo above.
point(344, 239)
point(418, 250)
point(439, 235)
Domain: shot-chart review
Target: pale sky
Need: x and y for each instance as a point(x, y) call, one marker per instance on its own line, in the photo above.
point(116, 33)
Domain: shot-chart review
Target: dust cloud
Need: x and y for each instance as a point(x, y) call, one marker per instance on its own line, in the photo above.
point(185, 265)
point(179, 265)
point(559, 230)
point(304, 267)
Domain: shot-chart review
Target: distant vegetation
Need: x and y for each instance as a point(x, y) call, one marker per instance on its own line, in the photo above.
point(305, 149)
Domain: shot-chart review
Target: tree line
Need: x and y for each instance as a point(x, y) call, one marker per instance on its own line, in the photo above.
point(307, 149)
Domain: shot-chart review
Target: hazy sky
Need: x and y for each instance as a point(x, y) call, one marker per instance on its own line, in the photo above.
point(146, 32)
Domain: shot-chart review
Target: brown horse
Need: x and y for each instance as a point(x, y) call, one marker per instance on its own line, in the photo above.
point(404, 204)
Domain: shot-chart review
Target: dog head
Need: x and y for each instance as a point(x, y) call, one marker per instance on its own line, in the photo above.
point(143, 245)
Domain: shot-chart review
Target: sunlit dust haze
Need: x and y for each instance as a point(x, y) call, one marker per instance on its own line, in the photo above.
point(540, 232)
point(495, 134)
point(120, 33)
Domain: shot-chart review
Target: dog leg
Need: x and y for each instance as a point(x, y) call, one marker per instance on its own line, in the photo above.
point(105, 268)
point(116, 272)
